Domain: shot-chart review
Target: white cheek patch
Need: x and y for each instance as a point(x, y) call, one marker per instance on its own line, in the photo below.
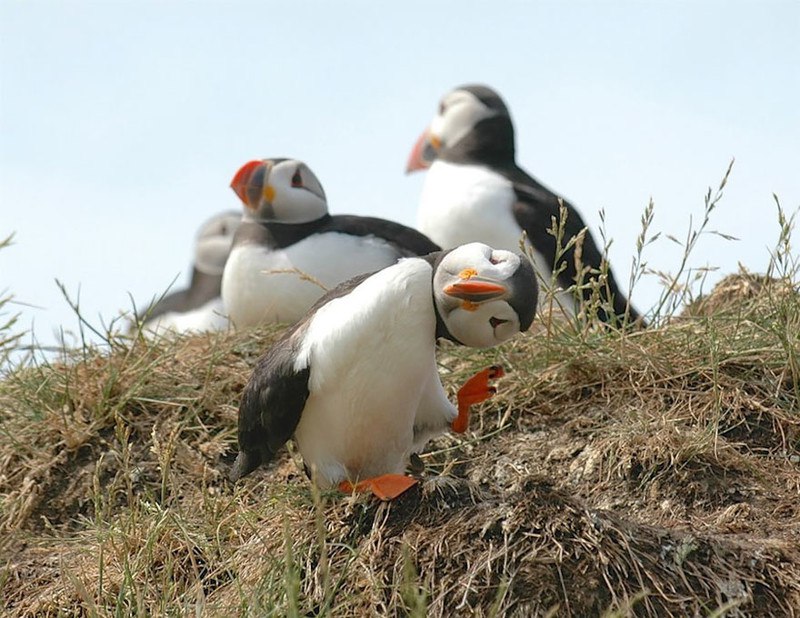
point(295, 204)
point(472, 328)
point(506, 263)
point(500, 271)
point(298, 206)
point(505, 331)
point(470, 331)
point(462, 112)
point(473, 254)
point(510, 327)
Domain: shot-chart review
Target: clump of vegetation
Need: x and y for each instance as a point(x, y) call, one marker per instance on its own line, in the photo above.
point(9, 337)
point(627, 472)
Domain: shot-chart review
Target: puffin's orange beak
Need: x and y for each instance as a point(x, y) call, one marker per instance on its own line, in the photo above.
point(475, 290)
point(424, 152)
point(241, 180)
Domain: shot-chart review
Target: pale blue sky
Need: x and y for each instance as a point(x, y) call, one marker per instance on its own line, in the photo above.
point(121, 123)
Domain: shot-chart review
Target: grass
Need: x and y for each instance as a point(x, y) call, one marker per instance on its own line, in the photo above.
point(649, 472)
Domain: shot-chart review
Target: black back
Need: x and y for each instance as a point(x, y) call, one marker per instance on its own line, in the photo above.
point(535, 210)
point(491, 143)
point(408, 241)
point(202, 289)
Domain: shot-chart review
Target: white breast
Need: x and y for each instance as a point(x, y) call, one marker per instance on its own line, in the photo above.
point(470, 203)
point(373, 370)
point(255, 291)
point(208, 317)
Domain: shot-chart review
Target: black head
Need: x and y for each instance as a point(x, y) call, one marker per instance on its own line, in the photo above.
point(484, 296)
point(472, 125)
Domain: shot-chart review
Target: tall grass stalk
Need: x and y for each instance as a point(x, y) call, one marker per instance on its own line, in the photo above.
point(9, 337)
point(678, 286)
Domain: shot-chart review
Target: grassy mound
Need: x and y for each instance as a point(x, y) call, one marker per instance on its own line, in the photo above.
point(651, 473)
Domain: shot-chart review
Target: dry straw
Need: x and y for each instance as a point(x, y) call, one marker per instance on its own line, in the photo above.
point(648, 472)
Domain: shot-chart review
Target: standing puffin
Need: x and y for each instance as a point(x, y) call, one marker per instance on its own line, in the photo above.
point(288, 250)
point(475, 191)
point(355, 381)
point(199, 307)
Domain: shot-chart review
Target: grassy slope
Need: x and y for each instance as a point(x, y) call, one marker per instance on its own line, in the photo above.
point(653, 472)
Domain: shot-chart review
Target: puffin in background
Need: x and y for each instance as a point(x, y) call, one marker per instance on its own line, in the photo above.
point(288, 250)
point(355, 381)
point(475, 191)
point(199, 307)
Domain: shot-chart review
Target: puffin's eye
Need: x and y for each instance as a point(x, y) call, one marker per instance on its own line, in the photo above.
point(494, 260)
point(495, 322)
point(297, 179)
point(441, 108)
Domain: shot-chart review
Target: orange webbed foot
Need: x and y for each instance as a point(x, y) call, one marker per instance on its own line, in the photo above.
point(385, 487)
point(475, 390)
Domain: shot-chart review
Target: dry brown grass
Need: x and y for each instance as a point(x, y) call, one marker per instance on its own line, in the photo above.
point(642, 473)
point(650, 472)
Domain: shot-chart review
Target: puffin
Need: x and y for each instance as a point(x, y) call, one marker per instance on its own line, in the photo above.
point(288, 250)
point(475, 191)
point(199, 307)
point(355, 381)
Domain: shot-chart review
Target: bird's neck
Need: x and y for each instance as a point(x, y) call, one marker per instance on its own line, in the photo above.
point(204, 286)
point(285, 234)
point(491, 142)
point(275, 235)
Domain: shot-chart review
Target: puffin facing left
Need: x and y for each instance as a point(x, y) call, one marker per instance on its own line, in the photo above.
point(475, 191)
point(199, 307)
point(289, 250)
point(356, 383)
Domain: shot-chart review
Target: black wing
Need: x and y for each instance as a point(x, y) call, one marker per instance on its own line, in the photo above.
point(534, 210)
point(409, 241)
point(176, 301)
point(203, 288)
point(271, 406)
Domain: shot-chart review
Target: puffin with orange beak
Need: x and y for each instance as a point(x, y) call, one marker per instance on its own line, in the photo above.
point(355, 382)
point(475, 192)
point(288, 250)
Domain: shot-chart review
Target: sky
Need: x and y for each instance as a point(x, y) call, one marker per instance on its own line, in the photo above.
point(122, 123)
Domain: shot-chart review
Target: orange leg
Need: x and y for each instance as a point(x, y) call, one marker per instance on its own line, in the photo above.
point(385, 487)
point(475, 390)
